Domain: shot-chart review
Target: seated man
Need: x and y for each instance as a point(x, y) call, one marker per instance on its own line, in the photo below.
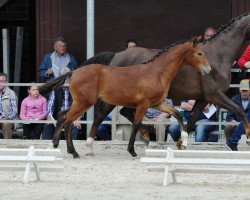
point(8, 106)
point(233, 133)
point(53, 62)
point(59, 100)
point(131, 43)
point(201, 131)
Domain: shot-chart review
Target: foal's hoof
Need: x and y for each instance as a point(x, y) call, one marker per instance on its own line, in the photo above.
point(248, 141)
point(132, 152)
point(75, 155)
point(55, 145)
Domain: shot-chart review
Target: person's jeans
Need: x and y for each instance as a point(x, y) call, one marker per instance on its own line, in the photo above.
point(201, 132)
point(104, 130)
point(49, 129)
point(239, 130)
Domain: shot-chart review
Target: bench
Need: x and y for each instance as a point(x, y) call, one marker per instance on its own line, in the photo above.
point(27, 160)
point(191, 161)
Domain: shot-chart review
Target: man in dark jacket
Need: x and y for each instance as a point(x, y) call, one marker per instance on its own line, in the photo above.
point(233, 132)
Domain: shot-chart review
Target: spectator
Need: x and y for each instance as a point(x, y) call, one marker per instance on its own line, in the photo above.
point(52, 63)
point(131, 43)
point(244, 60)
point(104, 130)
point(209, 32)
point(233, 133)
point(59, 100)
point(33, 107)
point(155, 115)
point(8, 106)
point(201, 131)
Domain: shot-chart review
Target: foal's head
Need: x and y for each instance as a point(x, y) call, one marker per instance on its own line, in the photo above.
point(196, 58)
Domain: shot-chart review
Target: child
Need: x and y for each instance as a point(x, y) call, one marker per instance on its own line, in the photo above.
point(33, 107)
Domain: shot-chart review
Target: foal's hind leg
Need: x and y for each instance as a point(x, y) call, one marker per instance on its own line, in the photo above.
point(59, 126)
point(68, 138)
point(107, 108)
point(182, 143)
point(75, 111)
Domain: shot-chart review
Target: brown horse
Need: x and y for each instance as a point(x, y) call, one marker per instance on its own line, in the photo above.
point(127, 87)
point(221, 51)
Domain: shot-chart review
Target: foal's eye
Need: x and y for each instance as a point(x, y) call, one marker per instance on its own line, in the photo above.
point(200, 54)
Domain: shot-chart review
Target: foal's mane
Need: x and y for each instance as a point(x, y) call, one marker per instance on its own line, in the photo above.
point(226, 27)
point(164, 49)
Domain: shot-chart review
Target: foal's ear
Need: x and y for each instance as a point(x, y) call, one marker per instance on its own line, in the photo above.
point(195, 40)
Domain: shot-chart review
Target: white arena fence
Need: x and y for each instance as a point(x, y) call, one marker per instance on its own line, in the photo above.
point(117, 119)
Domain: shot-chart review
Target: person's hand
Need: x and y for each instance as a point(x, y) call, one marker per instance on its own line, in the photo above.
point(77, 125)
point(247, 64)
point(49, 71)
point(231, 125)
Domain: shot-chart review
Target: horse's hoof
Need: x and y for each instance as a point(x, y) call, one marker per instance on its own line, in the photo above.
point(76, 155)
point(55, 145)
point(248, 142)
point(90, 154)
point(145, 141)
point(132, 152)
point(183, 147)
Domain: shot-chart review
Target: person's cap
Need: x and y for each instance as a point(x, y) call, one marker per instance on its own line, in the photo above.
point(244, 84)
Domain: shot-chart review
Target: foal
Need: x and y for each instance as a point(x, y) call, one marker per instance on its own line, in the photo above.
point(139, 86)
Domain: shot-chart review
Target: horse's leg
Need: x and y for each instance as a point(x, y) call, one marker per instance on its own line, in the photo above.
point(75, 111)
point(196, 111)
point(140, 111)
point(59, 126)
point(68, 137)
point(98, 119)
point(224, 102)
point(163, 107)
point(129, 114)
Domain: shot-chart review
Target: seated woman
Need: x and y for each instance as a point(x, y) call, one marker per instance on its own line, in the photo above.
point(33, 107)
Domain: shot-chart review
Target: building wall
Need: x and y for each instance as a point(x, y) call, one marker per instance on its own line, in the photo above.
point(153, 23)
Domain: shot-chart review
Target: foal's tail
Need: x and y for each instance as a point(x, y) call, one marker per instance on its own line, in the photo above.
point(51, 85)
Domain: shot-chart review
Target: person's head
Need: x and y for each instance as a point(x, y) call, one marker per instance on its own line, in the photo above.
point(244, 89)
point(33, 91)
point(131, 43)
point(60, 46)
point(209, 32)
point(3, 79)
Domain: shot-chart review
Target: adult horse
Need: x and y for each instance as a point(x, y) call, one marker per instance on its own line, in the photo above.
point(127, 87)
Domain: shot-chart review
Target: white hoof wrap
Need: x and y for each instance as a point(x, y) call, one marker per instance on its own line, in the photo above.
point(184, 139)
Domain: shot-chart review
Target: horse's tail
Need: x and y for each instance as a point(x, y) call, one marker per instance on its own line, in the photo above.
point(100, 58)
point(51, 85)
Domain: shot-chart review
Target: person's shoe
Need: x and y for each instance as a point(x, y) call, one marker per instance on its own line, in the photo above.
point(232, 146)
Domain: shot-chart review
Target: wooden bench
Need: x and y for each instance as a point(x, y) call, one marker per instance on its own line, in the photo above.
point(27, 160)
point(191, 161)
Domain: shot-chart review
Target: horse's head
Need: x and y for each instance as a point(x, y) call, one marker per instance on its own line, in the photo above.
point(196, 58)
